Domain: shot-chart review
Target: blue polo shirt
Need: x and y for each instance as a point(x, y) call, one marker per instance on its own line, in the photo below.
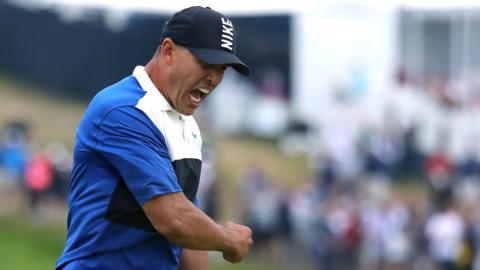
point(131, 146)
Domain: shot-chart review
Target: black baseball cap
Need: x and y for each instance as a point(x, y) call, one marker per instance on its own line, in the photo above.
point(208, 34)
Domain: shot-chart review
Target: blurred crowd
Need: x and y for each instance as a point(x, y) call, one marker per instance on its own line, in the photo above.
point(394, 183)
point(31, 178)
point(367, 224)
point(396, 190)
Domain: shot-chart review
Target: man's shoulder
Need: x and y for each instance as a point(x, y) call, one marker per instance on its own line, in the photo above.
point(123, 94)
point(126, 92)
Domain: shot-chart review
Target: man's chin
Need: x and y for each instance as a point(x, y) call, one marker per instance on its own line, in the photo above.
point(187, 112)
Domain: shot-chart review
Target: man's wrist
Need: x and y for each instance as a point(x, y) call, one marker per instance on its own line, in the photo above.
point(224, 239)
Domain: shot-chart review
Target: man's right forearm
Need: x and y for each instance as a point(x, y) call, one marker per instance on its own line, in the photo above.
point(193, 229)
point(178, 220)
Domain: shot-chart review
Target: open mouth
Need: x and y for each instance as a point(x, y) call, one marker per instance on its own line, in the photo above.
point(196, 95)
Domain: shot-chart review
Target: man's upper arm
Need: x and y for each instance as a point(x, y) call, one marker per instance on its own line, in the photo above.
point(163, 210)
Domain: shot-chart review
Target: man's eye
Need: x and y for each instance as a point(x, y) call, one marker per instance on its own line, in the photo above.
point(203, 64)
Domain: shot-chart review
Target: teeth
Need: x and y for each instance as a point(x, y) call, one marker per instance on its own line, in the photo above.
point(195, 99)
point(204, 90)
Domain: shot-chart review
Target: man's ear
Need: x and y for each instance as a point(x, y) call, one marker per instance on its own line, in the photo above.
point(168, 49)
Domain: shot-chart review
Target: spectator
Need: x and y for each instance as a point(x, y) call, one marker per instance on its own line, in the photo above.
point(445, 231)
point(38, 179)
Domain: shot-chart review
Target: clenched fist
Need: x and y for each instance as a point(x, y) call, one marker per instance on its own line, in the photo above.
point(240, 242)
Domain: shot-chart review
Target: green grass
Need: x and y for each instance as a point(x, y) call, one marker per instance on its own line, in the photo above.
point(242, 266)
point(23, 246)
point(26, 247)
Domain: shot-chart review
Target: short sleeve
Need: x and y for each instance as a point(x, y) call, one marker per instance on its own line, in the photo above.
point(135, 147)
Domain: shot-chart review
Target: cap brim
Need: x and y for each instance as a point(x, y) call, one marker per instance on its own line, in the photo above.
point(220, 57)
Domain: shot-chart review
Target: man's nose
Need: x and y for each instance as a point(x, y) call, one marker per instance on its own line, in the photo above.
point(214, 77)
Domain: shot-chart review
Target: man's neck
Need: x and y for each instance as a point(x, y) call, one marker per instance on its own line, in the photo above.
point(157, 76)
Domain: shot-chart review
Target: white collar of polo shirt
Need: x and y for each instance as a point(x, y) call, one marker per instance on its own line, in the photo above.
point(148, 86)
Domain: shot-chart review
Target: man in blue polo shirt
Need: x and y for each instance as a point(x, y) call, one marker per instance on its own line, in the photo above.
point(137, 159)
